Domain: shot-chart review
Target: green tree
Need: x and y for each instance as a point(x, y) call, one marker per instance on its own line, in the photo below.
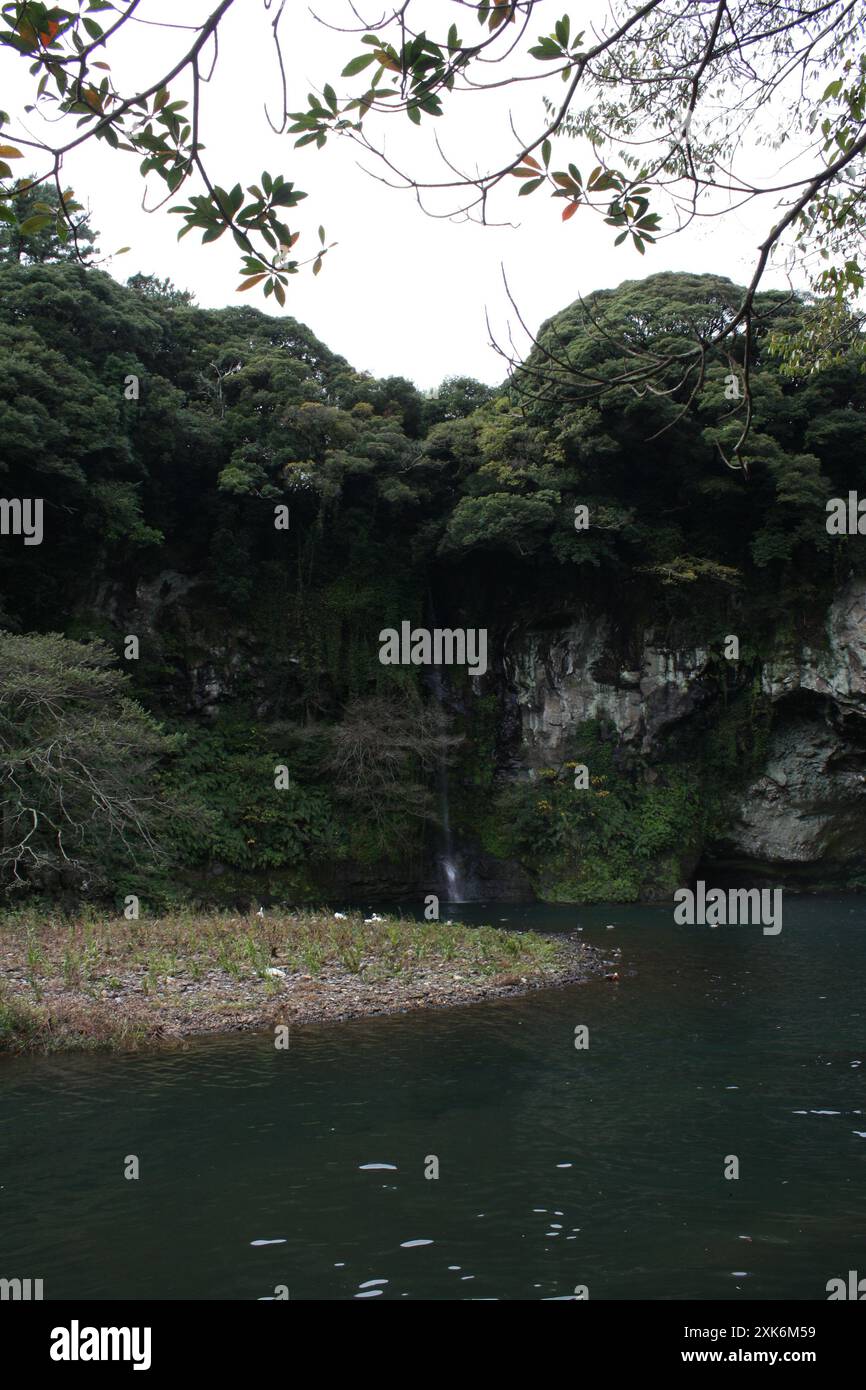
point(164, 291)
point(455, 398)
point(663, 103)
point(378, 755)
point(77, 765)
point(39, 224)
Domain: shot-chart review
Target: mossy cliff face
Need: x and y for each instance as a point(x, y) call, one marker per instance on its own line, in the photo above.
point(695, 763)
point(804, 813)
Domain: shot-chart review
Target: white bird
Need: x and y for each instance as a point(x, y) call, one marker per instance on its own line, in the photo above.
point(339, 916)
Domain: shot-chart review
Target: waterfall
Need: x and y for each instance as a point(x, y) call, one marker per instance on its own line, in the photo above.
point(446, 859)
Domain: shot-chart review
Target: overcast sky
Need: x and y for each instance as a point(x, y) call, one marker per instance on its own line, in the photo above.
point(402, 294)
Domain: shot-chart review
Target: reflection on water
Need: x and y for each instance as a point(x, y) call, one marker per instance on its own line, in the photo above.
point(557, 1167)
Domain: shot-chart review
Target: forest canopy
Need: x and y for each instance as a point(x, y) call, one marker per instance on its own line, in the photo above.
point(162, 434)
point(648, 115)
point(164, 439)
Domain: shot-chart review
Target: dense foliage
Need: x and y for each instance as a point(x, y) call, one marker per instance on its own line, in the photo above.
point(78, 759)
point(663, 101)
point(167, 442)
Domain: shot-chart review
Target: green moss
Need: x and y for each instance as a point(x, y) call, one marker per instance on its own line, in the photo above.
point(594, 883)
point(637, 829)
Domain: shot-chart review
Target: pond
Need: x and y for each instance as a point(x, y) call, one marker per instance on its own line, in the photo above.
point(304, 1169)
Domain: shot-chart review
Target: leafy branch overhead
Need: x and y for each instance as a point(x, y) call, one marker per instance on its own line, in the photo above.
point(668, 102)
point(66, 52)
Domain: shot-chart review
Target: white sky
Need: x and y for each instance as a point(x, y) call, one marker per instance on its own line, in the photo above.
point(402, 294)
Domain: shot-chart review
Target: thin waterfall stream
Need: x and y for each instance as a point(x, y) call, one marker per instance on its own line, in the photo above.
point(452, 877)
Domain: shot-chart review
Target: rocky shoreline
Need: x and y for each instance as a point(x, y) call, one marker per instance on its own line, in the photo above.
point(121, 986)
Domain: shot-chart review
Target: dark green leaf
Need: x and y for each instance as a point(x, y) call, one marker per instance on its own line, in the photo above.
point(358, 65)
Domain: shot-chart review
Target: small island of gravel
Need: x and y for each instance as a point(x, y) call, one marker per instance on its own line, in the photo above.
point(103, 982)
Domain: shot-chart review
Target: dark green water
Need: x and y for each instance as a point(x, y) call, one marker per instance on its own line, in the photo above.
point(557, 1167)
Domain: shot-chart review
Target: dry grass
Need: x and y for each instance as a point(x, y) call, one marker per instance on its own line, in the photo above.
point(103, 981)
